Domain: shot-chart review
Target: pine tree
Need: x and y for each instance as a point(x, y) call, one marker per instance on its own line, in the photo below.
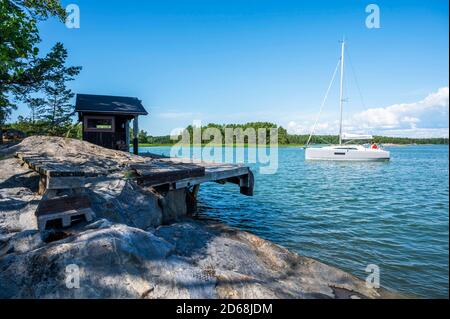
point(36, 106)
point(20, 67)
point(57, 106)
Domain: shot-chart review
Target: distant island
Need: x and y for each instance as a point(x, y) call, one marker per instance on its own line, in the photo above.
point(284, 138)
point(40, 127)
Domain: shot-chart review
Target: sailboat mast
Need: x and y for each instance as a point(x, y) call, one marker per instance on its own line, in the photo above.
point(341, 95)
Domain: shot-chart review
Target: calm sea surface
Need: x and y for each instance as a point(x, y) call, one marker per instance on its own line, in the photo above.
point(349, 215)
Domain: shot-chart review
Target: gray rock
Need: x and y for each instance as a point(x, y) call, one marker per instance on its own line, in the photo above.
point(118, 262)
point(245, 266)
point(21, 242)
point(122, 201)
point(99, 224)
point(173, 205)
point(184, 260)
point(18, 200)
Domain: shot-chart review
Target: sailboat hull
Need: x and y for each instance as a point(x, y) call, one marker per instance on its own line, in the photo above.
point(339, 153)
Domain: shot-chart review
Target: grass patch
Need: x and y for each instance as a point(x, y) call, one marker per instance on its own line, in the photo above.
point(129, 174)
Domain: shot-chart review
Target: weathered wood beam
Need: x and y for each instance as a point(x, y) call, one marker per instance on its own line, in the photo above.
point(65, 217)
point(127, 133)
point(157, 172)
point(62, 204)
point(213, 176)
point(246, 184)
point(191, 199)
point(135, 135)
point(59, 182)
point(52, 208)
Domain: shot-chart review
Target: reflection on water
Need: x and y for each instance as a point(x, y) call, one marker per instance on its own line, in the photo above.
point(351, 214)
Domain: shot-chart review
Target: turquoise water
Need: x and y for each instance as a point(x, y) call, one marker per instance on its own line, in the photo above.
point(349, 215)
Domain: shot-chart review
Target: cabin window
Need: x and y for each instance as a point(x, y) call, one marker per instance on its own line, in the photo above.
point(99, 123)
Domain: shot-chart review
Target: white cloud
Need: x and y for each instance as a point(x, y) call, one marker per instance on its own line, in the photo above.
point(418, 132)
point(425, 118)
point(305, 127)
point(429, 113)
point(175, 115)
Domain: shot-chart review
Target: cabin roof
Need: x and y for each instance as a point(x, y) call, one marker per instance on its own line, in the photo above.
point(109, 104)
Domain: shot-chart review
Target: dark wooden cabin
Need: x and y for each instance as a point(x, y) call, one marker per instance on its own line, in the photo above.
point(106, 120)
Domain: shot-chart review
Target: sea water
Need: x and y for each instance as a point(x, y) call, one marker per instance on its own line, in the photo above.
point(394, 215)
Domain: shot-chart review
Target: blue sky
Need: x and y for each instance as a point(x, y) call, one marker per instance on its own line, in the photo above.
point(264, 60)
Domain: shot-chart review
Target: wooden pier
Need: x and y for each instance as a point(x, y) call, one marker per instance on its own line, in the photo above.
point(149, 170)
point(152, 171)
point(213, 172)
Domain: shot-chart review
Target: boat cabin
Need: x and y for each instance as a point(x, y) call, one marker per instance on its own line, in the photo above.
point(106, 120)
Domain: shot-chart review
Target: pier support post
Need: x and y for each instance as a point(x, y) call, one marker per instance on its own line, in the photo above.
point(135, 135)
point(246, 184)
point(42, 184)
point(127, 134)
point(191, 199)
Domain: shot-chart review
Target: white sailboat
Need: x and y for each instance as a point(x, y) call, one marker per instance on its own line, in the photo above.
point(344, 151)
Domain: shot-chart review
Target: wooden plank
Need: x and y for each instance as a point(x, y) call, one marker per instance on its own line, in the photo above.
point(42, 165)
point(214, 174)
point(51, 167)
point(157, 166)
point(66, 217)
point(69, 182)
point(62, 204)
point(157, 172)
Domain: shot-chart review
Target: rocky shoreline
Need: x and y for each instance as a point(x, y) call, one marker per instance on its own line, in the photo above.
point(140, 248)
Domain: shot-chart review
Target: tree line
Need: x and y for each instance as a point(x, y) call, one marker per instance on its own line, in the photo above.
point(284, 138)
point(145, 138)
point(29, 77)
